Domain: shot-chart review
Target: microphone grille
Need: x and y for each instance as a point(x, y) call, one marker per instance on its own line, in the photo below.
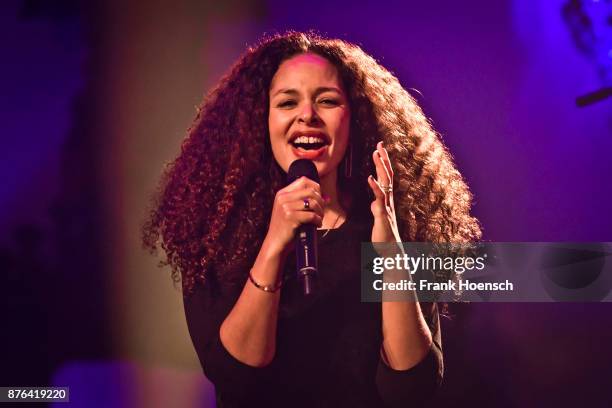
point(302, 167)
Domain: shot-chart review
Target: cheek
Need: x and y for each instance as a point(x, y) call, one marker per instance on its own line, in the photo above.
point(277, 123)
point(272, 123)
point(276, 129)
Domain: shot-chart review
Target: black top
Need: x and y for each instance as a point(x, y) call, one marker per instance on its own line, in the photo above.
point(328, 344)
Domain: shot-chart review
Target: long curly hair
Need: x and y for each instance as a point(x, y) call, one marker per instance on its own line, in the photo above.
point(214, 201)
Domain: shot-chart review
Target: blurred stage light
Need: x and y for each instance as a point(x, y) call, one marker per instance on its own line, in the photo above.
point(590, 22)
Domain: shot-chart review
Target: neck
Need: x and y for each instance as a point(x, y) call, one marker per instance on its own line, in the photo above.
point(334, 210)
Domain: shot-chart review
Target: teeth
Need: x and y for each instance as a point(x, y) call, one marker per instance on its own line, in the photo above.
point(308, 140)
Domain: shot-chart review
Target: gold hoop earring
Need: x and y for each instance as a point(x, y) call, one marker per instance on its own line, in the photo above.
point(348, 162)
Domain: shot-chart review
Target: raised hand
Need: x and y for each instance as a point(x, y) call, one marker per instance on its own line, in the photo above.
point(383, 210)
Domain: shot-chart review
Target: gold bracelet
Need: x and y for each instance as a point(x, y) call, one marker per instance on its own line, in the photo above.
point(265, 288)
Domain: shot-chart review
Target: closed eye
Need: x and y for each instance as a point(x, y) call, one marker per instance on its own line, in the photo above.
point(286, 104)
point(332, 102)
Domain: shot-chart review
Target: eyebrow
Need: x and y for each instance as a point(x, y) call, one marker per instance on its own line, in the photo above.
point(320, 90)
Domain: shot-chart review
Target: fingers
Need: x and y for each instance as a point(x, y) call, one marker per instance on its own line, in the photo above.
point(312, 195)
point(384, 176)
point(307, 217)
point(292, 198)
point(297, 204)
point(294, 212)
point(384, 156)
point(300, 190)
point(384, 173)
point(376, 189)
point(378, 206)
point(289, 212)
point(302, 183)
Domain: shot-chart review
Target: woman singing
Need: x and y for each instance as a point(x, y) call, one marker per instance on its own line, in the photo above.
point(227, 220)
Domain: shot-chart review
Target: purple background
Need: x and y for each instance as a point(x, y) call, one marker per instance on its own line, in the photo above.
point(498, 79)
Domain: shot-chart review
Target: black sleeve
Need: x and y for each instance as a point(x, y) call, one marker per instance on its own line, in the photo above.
point(419, 383)
point(205, 313)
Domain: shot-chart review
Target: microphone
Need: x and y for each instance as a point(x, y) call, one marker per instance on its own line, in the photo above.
point(306, 236)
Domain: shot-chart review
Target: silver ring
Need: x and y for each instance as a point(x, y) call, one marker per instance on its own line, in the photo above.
point(306, 204)
point(386, 189)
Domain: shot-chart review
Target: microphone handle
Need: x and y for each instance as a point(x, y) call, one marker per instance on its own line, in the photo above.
point(306, 256)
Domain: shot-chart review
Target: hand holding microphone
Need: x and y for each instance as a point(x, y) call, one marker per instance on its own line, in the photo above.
point(306, 237)
point(289, 211)
point(296, 213)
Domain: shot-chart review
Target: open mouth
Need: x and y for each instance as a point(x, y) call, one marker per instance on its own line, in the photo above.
point(309, 142)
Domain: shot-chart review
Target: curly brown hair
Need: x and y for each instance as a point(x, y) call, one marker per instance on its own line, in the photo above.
point(213, 204)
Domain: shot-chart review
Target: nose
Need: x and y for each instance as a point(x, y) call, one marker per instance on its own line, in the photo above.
point(307, 114)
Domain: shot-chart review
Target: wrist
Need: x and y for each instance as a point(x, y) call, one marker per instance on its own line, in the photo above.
point(272, 288)
point(271, 257)
point(272, 251)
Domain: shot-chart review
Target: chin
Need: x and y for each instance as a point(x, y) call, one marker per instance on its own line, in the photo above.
point(325, 169)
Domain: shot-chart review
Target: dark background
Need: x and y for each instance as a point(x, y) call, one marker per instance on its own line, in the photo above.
point(96, 96)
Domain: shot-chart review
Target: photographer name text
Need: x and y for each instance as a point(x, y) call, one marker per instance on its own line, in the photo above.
point(425, 285)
